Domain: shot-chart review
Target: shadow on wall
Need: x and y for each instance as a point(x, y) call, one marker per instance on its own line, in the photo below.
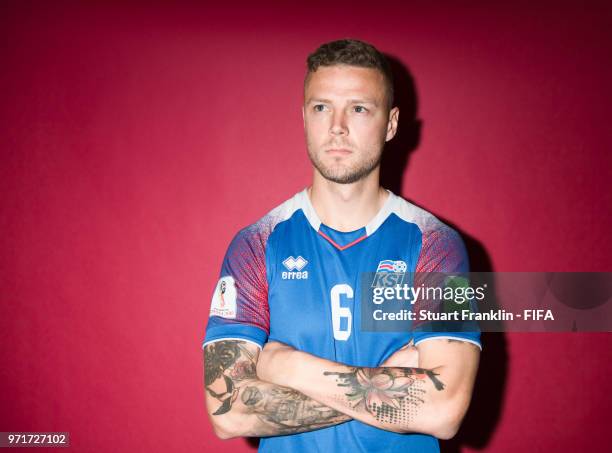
point(398, 151)
point(485, 410)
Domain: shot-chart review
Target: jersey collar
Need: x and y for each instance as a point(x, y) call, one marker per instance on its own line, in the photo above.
point(312, 217)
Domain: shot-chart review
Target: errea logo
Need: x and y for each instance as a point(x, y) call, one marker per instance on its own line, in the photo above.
point(294, 268)
point(295, 264)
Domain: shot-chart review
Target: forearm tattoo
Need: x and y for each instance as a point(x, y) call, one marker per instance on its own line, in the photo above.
point(289, 411)
point(227, 363)
point(391, 395)
point(230, 371)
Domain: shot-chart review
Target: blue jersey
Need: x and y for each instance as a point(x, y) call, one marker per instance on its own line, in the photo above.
point(289, 278)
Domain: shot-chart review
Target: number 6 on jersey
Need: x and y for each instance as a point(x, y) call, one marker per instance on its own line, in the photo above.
point(339, 312)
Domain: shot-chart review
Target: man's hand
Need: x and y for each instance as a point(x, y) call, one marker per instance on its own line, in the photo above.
point(408, 357)
point(274, 362)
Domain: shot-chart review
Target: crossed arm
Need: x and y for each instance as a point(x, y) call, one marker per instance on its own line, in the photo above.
point(285, 391)
point(240, 404)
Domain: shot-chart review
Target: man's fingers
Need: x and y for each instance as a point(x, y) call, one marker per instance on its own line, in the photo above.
point(407, 356)
point(410, 344)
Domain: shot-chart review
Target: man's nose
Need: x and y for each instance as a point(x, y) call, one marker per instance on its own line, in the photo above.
point(338, 126)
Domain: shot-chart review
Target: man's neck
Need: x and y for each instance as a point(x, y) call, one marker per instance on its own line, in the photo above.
point(347, 207)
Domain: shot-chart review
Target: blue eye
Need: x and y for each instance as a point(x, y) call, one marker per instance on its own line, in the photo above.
point(360, 109)
point(319, 108)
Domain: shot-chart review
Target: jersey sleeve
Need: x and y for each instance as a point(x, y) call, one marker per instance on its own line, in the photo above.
point(239, 306)
point(442, 252)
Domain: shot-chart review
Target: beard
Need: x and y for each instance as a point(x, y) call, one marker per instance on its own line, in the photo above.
point(342, 173)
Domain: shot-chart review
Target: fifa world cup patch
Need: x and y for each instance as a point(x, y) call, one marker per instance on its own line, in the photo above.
point(224, 298)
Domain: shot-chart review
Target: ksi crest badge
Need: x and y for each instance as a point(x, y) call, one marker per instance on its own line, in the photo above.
point(389, 273)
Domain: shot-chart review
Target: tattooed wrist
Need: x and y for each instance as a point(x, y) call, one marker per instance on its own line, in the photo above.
point(288, 411)
point(391, 395)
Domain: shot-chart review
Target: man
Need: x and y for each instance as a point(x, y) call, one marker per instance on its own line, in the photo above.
point(290, 284)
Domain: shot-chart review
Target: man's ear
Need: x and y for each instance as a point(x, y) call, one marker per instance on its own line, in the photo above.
point(392, 123)
point(303, 114)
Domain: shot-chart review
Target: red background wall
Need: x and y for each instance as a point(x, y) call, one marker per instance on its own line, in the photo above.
point(137, 139)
